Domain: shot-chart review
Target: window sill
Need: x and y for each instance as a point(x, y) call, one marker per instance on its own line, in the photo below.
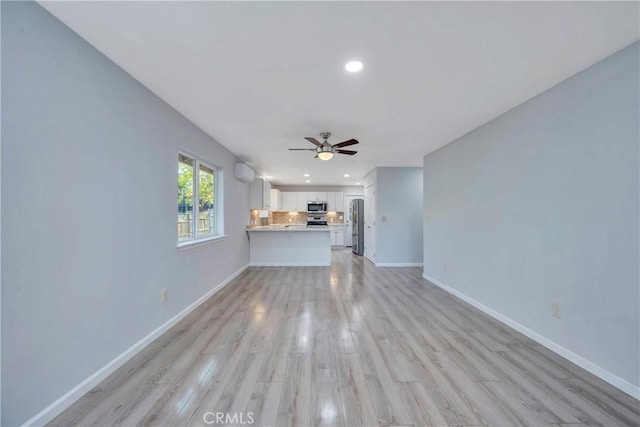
point(190, 244)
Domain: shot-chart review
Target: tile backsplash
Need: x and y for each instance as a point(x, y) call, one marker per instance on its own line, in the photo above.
point(288, 218)
point(335, 218)
point(256, 218)
point(291, 218)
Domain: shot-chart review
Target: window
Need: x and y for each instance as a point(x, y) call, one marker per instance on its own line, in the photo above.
point(197, 187)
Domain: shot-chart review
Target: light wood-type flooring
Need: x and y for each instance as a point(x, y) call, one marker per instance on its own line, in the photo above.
point(347, 345)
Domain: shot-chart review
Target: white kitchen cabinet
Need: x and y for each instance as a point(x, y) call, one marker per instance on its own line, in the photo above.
point(337, 235)
point(336, 201)
point(320, 196)
point(302, 199)
point(339, 206)
point(266, 193)
point(290, 201)
point(276, 200)
point(312, 196)
point(331, 201)
point(260, 194)
point(298, 246)
point(316, 196)
point(297, 200)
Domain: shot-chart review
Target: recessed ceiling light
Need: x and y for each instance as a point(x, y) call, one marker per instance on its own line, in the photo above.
point(268, 177)
point(353, 66)
point(346, 175)
point(357, 183)
point(306, 174)
point(307, 180)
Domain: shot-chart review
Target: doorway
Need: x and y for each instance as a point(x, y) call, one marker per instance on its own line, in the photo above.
point(348, 217)
point(370, 222)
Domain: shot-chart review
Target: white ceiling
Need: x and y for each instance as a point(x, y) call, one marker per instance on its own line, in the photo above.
point(260, 76)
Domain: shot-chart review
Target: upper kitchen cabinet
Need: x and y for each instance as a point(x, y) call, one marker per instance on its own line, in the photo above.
point(290, 201)
point(318, 196)
point(295, 200)
point(301, 201)
point(276, 200)
point(260, 194)
point(339, 202)
point(336, 201)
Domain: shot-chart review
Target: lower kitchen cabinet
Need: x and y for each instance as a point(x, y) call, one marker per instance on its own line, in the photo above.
point(337, 235)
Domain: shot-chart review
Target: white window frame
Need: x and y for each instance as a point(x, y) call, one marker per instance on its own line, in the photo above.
point(218, 184)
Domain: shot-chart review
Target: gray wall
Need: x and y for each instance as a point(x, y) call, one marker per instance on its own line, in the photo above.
point(89, 212)
point(541, 205)
point(398, 214)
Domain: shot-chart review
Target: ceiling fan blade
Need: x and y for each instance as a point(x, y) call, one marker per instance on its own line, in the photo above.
point(302, 149)
point(349, 152)
point(346, 143)
point(313, 141)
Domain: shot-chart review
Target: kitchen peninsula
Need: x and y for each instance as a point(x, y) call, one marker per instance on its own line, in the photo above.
point(289, 245)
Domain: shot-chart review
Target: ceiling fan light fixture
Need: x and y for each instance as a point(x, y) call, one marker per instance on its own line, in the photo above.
point(325, 155)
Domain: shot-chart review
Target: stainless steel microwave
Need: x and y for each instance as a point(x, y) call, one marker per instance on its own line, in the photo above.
point(317, 207)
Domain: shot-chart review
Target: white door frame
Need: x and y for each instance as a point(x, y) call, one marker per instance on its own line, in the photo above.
point(370, 222)
point(348, 226)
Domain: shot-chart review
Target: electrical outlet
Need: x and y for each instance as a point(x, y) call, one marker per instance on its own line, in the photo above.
point(555, 310)
point(164, 295)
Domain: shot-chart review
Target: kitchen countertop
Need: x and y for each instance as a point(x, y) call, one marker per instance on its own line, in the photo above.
point(285, 228)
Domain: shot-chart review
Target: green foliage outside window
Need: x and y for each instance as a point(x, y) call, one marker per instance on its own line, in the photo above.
point(206, 188)
point(185, 184)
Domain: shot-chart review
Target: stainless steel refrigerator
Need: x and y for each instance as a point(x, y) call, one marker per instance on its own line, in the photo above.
point(357, 228)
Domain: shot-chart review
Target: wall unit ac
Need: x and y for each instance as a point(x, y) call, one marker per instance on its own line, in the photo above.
point(244, 173)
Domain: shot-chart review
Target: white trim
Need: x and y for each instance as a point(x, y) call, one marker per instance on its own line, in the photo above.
point(398, 264)
point(194, 243)
point(287, 264)
point(54, 409)
point(614, 380)
point(218, 185)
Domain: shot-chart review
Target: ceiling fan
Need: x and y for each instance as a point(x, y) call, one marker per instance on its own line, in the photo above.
point(324, 150)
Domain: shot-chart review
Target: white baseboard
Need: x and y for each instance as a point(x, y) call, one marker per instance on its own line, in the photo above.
point(288, 264)
point(54, 409)
point(587, 365)
point(398, 264)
